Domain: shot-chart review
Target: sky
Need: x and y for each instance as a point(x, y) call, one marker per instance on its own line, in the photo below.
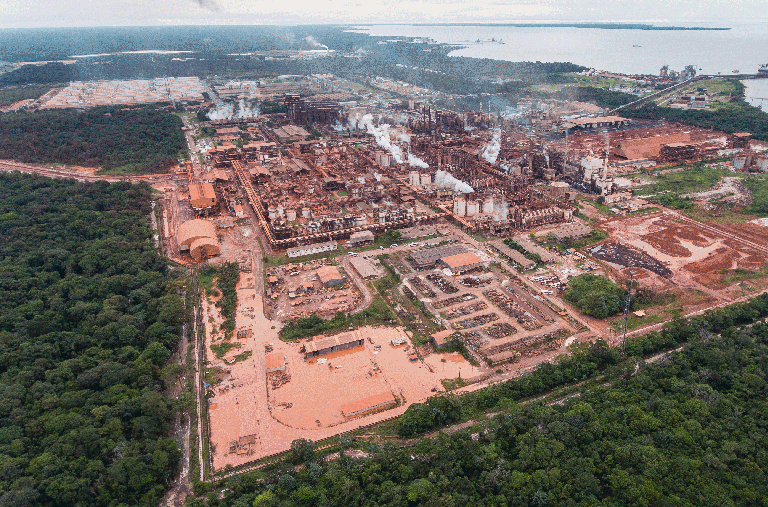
point(76, 13)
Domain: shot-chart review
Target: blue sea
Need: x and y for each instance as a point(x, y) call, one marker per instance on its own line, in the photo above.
point(744, 47)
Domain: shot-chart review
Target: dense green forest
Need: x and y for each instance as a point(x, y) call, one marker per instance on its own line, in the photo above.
point(595, 295)
point(89, 313)
point(139, 139)
point(53, 72)
point(687, 430)
point(739, 117)
point(11, 94)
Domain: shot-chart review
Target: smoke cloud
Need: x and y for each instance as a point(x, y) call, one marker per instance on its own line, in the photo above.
point(415, 161)
point(380, 133)
point(231, 111)
point(444, 179)
point(209, 5)
point(314, 42)
point(491, 151)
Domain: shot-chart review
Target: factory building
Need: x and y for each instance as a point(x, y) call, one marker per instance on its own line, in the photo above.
point(368, 404)
point(198, 238)
point(315, 248)
point(462, 262)
point(361, 238)
point(440, 339)
point(424, 258)
point(275, 362)
point(513, 255)
point(202, 197)
point(334, 344)
point(329, 276)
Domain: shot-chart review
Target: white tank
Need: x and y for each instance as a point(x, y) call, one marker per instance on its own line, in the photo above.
point(306, 212)
point(290, 215)
point(473, 208)
point(459, 206)
point(426, 179)
point(488, 205)
point(280, 211)
point(413, 178)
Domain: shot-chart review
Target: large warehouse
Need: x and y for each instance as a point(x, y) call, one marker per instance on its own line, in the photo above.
point(462, 262)
point(198, 238)
point(341, 342)
point(368, 404)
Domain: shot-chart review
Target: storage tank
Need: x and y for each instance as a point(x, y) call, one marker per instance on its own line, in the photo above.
point(290, 215)
point(272, 213)
point(280, 211)
point(488, 205)
point(500, 211)
point(473, 208)
point(426, 179)
point(306, 212)
point(459, 206)
point(413, 178)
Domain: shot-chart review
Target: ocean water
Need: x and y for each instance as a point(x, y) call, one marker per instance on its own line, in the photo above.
point(631, 51)
point(757, 92)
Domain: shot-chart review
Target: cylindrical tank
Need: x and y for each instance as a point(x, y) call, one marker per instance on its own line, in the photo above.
point(306, 213)
point(280, 211)
point(488, 205)
point(459, 206)
point(272, 213)
point(413, 178)
point(426, 179)
point(473, 208)
point(290, 215)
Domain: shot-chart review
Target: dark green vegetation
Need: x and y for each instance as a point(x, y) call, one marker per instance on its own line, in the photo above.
point(88, 315)
point(594, 295)
point(226, 278)
point(688, 430)
point(667, 187)
point(377, 313)
point(598, 96)
point(214, 52)
point(12, 94)
point(595, 235)
point(736, 116)
point(529, 255)
point(758, 186)
point(54, 72)
point(141, 139)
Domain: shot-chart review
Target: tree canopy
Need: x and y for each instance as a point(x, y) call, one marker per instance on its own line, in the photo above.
point(135, 139)
point(596, 296)
point(89, 313)
point(686, 430)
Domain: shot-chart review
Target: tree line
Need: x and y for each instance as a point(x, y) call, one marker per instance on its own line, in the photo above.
point(131, 139)
point(89, 313)
point(686, 430)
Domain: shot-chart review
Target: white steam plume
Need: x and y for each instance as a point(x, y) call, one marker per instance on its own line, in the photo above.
point(405, 138)
point(444, 179)
point(314, 42)
point(415, 161)
point(380, 133)
point(491, 151)
point(241, 110)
